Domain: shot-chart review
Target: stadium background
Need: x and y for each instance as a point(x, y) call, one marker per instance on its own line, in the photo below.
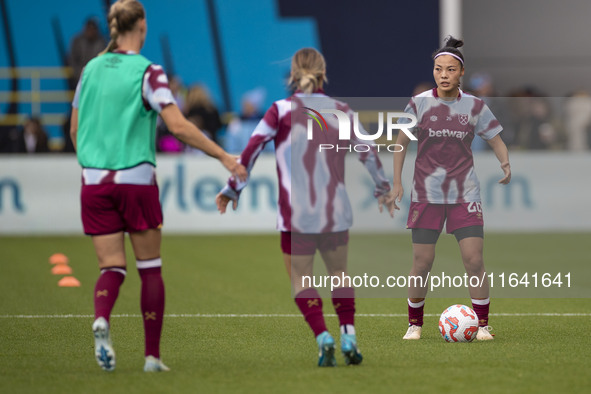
point(373, 49)
point(377, 48)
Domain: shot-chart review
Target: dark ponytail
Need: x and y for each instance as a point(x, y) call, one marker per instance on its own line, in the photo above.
point(451, 45)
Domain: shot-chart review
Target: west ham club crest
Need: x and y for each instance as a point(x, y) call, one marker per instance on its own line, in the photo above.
point(463, 118)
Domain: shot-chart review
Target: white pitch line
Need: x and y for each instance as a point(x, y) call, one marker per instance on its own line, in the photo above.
point(263, 315)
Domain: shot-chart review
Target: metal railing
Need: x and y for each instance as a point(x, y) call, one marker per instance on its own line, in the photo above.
point(36, 96)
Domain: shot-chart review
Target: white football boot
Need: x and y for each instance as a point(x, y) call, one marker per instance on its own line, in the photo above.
point(154, 364)
point(413, 332)
point(484, 334)
point(103, 348)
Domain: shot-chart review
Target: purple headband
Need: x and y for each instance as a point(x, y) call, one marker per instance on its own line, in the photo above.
point(450, 54)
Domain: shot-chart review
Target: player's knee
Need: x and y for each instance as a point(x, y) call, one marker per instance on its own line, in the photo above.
point(473, 263)
point(115, 260)
point(422, 269)
point(112, 263)
point(422, 265)
point(423, 259)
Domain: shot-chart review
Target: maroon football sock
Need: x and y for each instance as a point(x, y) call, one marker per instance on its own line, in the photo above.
point(415, 313)
point(152, 305)
point(343, 300)
point(106, 291)
point(310, 305)
point(481, 307)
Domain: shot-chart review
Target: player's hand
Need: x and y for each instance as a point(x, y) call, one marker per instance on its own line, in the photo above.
point(222, 201)
point(393, 197)
point(236, 169)
point(506, 167)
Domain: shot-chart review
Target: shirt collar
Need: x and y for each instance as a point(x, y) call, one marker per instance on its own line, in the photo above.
point(124, 52)
point(457, 98)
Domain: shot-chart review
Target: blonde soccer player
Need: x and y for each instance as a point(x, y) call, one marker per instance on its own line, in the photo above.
point(314, 213)
point(117, 101)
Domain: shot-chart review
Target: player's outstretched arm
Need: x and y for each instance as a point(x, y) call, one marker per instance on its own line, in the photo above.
point(373, 165)
point(191, 135)
point(264, 132)
point(500, 149)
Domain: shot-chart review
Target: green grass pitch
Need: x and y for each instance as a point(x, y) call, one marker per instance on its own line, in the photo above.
point(46, 345)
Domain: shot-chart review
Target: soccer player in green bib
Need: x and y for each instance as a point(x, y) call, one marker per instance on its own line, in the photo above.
point(117, 101)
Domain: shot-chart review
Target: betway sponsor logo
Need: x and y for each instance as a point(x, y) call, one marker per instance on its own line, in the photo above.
point(447, 133)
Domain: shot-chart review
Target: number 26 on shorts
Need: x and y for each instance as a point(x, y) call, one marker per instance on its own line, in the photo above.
point(475, 207)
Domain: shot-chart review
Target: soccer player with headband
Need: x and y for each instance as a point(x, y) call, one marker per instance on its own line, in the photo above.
point(314, 209)
point(445, 187)
point(117, 101)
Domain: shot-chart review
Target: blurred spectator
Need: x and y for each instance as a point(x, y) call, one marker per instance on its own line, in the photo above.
point(200, 110)
point(532, 120)
point(34, 137)
point(68, 146)
point(30, 138)
point(168, 143)
point(577, 121)
point(240, 128)
point(84, 46)
point(6, 136)
point(177, 87)
point(481, 85)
